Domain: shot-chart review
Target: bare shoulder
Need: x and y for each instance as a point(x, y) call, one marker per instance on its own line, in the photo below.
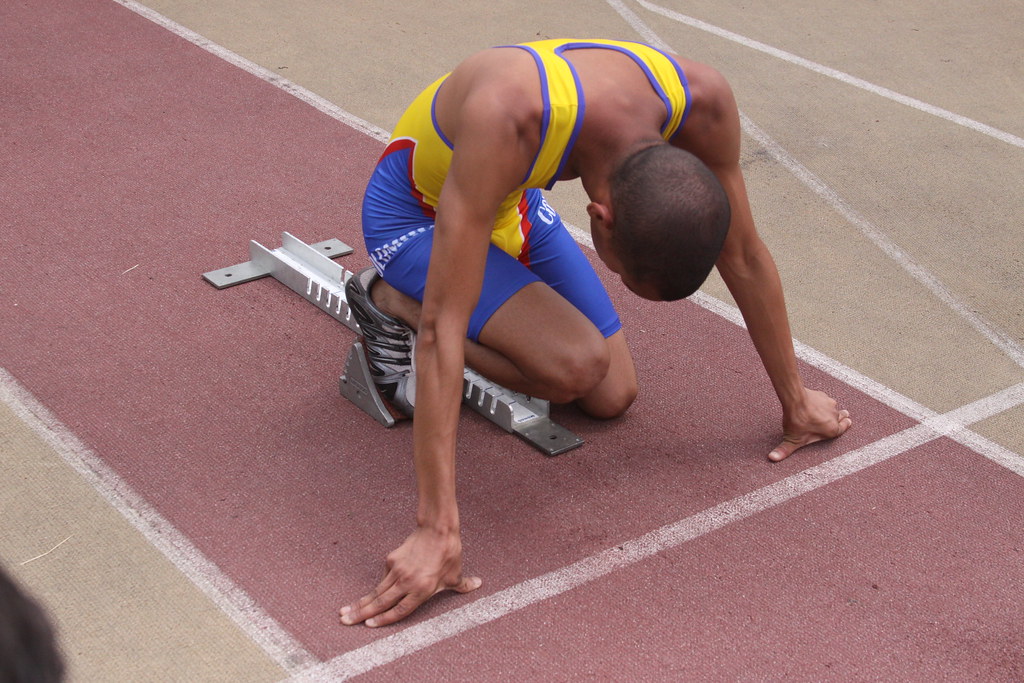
point(490, 108)
point(497, 82)
point(712, 129)
point(708, 86)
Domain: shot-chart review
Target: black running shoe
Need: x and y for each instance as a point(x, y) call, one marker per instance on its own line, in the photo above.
point(388, 341)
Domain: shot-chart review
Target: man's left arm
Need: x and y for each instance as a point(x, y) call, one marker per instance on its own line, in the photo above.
point(750, 273)
point(753, 280)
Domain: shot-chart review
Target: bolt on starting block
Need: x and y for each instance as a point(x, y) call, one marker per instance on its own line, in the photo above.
point(310, 272)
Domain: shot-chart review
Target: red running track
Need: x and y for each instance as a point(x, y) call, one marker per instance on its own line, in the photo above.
point(135, 161)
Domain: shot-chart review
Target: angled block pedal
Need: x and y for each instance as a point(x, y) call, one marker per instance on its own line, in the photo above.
point(357, 386)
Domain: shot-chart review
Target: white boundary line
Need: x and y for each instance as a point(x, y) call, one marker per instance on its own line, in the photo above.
point(1001, 340)
point(1002, 401)
point(552, 584)
point(307, 96)
point(263, 629)
point(844, 77)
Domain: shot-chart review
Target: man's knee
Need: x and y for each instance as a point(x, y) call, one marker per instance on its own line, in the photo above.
point(575, 370)
point(617, 391)
point(610, 400)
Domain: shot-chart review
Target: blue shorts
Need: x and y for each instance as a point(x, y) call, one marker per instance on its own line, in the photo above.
point(554, 258)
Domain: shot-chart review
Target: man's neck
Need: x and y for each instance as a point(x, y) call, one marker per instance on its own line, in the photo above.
point(595, 160)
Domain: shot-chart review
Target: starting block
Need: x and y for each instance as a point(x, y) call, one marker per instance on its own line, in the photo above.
point(310, 272)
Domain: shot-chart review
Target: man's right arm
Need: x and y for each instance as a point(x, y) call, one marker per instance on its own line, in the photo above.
point(484, 169)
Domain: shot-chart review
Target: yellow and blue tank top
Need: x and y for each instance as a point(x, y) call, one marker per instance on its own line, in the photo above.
point(403, 194)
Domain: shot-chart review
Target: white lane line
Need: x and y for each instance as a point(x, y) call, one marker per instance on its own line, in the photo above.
point(1001, 340)
point(263, 629)
point(842, 76)
point(307, 96)
point(876, 390)
point(639, 25)
point(497, 605)
point(953, 425)
point(999, 402)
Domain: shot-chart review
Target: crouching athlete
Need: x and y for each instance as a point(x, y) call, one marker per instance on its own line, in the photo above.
point(472, 267)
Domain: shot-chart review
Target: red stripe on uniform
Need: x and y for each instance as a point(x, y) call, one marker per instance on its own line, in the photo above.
point(397, 146)
point(525, 226)
point(400, 145)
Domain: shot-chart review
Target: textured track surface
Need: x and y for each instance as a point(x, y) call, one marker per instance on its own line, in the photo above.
point(667, 547)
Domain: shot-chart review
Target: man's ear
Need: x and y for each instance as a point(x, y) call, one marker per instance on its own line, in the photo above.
point(600, 218)
point(601, 226)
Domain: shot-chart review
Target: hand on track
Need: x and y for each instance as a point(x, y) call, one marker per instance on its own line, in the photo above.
point(818, 419)
point(427, 563)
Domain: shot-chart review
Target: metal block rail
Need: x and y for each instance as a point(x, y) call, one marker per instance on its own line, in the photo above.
point(310, 272)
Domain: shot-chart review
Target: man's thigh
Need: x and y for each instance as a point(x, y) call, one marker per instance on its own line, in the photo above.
point(504, 276)
point(552, 343)
point(551, 256)
point(558, 260)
